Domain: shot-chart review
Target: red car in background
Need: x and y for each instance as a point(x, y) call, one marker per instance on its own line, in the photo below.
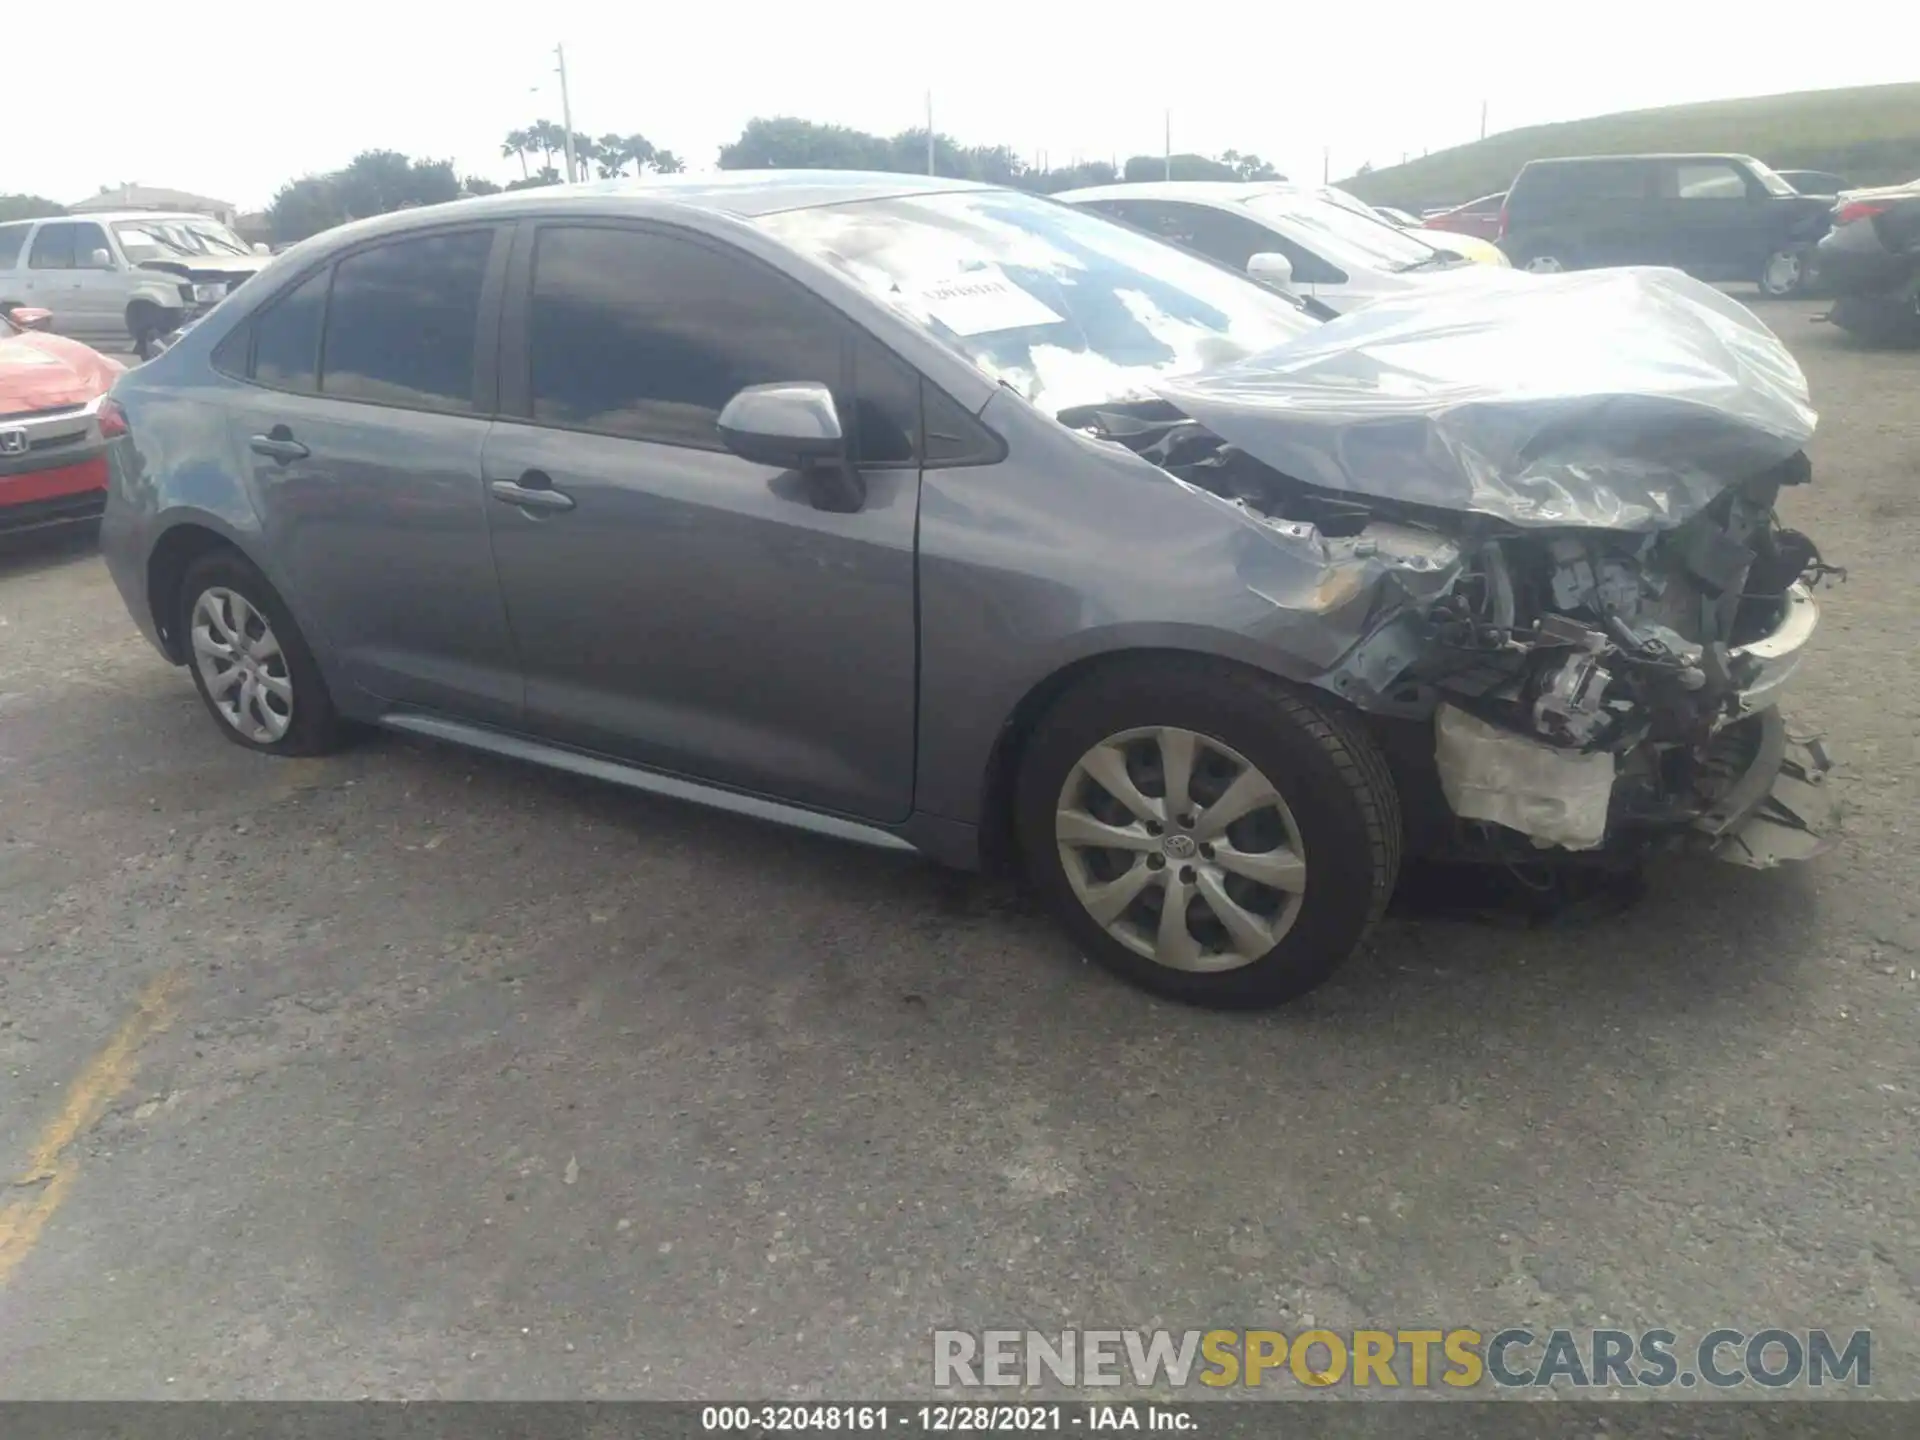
point(54, 428)
point(1479, 218)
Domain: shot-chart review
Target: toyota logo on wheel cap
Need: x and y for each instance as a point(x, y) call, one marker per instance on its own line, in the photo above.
point(13, 440)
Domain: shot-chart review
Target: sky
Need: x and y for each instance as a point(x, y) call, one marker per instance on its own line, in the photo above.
point(246, 101)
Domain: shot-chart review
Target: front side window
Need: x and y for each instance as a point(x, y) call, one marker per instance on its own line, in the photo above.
point(1057, 303)
point(403, 322)
point(1231, 239)
point(1341, 237)
point(12, 239)
point(67, 246)
point(647, 336)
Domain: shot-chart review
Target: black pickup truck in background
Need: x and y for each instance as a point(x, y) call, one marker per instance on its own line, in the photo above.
point(1717, 217)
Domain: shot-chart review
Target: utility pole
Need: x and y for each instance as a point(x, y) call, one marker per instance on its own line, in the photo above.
point(1326, 164)
point(1483, 119)
point(930, 132)
point(1167, 141)
point(566, 109)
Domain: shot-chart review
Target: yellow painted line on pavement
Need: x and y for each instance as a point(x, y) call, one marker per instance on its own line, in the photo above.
point(43, 1185)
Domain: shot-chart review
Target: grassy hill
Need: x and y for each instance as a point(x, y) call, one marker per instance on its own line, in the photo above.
point(1870, 134)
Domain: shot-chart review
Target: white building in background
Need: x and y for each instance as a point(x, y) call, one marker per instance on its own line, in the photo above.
point(155, 197)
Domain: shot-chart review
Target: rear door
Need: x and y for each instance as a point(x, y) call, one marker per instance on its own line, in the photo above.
point(51, 280)
point(371, 385)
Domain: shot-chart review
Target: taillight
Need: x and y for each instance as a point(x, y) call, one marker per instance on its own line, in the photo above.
point(113, 420)
point(1858, 210)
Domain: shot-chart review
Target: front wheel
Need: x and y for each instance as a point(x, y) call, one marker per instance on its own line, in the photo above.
point(1208, 833)
point(147, 325)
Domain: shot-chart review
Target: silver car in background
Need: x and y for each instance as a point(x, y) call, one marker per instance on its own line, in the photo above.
point(1291, 236)
point(942, 517)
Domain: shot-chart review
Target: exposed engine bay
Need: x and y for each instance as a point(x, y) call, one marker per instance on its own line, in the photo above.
point(1594, 690)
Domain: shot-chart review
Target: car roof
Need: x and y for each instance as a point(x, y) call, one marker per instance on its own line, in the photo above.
point(115, 217)
point(741, 194)
point(1217, 191)
point(1674, 155)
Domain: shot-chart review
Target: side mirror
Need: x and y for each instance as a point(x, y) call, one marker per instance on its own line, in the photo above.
point(31, 317)
point(260, 248)
point(99, 260)
point(795, 426)
point(1270, 267)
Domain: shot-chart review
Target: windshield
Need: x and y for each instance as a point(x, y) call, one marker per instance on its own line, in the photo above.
point(177, 239)
point(1347, 238)
point(1058, 304)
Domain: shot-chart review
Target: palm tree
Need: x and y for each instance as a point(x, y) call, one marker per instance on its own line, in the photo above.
point(518, 143)
point(667, 163)
point(607, 149)
point(546, 137)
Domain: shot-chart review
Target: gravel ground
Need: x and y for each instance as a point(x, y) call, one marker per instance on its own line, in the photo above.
point(437, 1076)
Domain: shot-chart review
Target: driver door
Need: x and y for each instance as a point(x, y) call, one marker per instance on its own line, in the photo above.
point(675, 605)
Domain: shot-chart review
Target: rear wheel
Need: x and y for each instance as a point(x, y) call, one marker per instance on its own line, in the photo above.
point(1208, 833)
point(1785, 272)
point(250, 662)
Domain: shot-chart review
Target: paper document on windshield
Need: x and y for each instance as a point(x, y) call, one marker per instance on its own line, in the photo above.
point(983, 301)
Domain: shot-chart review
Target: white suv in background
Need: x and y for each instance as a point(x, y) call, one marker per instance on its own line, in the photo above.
point(134, 274)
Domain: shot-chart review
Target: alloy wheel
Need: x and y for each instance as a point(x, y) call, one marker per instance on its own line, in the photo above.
point(242, 665)
point(1545, 265)
point(1181, 849)
point(1782, 272)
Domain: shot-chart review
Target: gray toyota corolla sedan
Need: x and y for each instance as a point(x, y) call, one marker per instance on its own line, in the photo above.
point(938, 516)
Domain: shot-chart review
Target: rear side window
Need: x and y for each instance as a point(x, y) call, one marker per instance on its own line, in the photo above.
point(286, 337)
point(12, 238)
point(1582, 180)
point(647, 336)
point(404, 320)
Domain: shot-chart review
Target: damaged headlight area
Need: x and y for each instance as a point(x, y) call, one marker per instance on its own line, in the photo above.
point(1574, 689)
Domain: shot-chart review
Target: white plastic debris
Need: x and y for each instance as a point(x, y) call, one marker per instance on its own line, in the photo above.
point(1557, 797)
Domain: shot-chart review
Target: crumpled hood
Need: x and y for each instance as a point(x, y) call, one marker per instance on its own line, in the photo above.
point(210, 267)
point(44, 372)
point(1618, 399)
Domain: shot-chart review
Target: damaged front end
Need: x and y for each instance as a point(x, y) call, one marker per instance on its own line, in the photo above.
point(1579, 607)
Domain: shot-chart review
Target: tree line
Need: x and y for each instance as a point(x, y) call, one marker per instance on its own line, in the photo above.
point(379, 181)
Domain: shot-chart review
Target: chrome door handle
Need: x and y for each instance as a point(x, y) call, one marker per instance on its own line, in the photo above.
point(530, 497)
point(278, 447)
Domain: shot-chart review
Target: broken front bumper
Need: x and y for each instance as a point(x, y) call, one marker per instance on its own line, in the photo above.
point(1783, 808)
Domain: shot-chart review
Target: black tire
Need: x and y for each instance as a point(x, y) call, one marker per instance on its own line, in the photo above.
point(1880, 319)
point(315, 727)
point(1332, 776)
point(147, 323)
point(1549, 247)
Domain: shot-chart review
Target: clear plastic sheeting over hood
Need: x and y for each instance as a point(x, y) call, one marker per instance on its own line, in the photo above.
point(1616, 399)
